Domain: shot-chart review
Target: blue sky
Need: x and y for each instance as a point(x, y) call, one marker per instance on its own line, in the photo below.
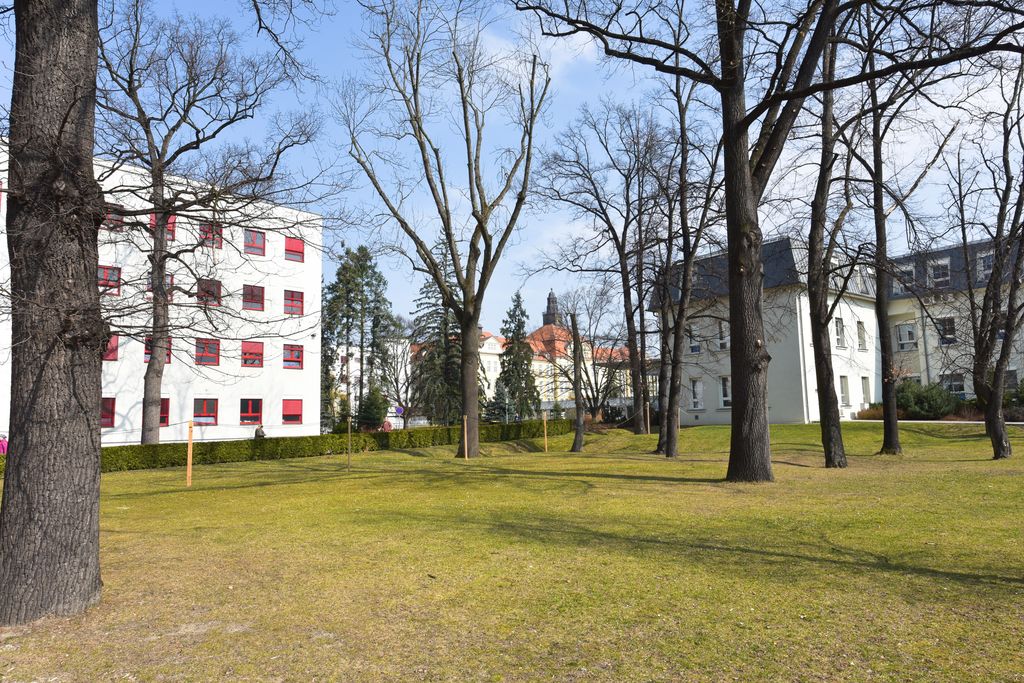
point(578, 77)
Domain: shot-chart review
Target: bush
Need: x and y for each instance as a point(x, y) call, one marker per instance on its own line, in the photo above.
point(930, 402)
point(872, 412)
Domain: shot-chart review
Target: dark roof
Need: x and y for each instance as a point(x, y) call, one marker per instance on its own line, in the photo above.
point(918, 282)
point(785, 264)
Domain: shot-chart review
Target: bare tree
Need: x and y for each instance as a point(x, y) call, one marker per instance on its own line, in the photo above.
point(577, 384)
point(397, 370)
point(170, 90)
point(602, 169)
point(773, 51)
point(986, 207)
point(430, 58)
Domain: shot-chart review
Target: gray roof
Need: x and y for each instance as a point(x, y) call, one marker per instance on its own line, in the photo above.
point(961, 264)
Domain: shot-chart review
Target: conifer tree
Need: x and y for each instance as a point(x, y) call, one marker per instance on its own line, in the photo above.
point(516, 362)
point(438, 344)
point(498, 408)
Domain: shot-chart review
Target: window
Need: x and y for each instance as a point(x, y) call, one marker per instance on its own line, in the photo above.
point(294, 249)
point(1010, 380)
point(106, 412)
point(207, 352)
point(906, 336)
point(694, 345)
point(292, 357)
point(204, 411)
point(109, 280)
point(171, 220)
point(902, 279)
point(147, 351)
point(208, 292)
point(292, 302)
point(938, 273)
point(255, 242)
point(862, 336)
point(252, 298)
point(840, 334)
point(946, 328)
point(110, 353)
point(865, 389)
point(291, 413)
point(953, 383)
point(726, 385)
point(165, 412)
point(251, 411)
point(211, 235)
point(986, 262)
point(696, 394)
point(252, 354)
point(168, 284)
point(113, 218)
point(723, 335)
point(844, 390)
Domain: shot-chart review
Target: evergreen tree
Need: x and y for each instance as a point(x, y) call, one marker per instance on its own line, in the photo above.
point(356, 315)
point(499, 408)
point(373, 409)
point(436, 361)
point(517, 361)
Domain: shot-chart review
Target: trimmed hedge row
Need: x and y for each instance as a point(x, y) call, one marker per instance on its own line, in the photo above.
point(139, 457)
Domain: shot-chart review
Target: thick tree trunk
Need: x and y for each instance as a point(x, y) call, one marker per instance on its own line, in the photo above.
point(750, 451)
point(995, 424)
point(632, 346)
point(470, 385)
point(577, 383)
point(675, 392)
point(49, 517)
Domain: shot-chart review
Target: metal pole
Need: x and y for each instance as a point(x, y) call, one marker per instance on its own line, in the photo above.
point(349, 466)
point(545, 417)
point(465, 437)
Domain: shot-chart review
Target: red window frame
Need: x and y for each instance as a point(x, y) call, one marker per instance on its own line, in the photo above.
point(147, 349)
point(252, 354)
point(255, 242)
point(171, 221)
point(252, 298)
point(207, 352)
point(250, 411)
point(204, 411)
point(293, 302)
point(165, 412)
point(110, 353)
point(107, 411)
point(293, 356)
point(113, 218)
point(168, 284)
point(108, 279)
point(211, 235)
point(291, 411)
point(208, 292)
point(294, 249)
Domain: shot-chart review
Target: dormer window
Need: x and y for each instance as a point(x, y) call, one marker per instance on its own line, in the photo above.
point(938, 273)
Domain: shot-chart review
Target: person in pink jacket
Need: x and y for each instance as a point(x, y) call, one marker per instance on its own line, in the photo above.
point(3, 444)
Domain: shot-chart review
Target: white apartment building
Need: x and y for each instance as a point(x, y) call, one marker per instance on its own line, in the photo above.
point(792, 385)
point(245, 319)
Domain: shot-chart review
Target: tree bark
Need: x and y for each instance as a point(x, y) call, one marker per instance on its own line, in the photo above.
point(675, 391)
point(749, 451)
point(577, 383)
point(632, 346)
point(665, 370)
point(49, 517)
point(152, 381)
point(828, 403)
point(469, 362)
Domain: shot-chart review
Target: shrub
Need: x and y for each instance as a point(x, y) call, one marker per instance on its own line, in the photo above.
point(930, 402)
point(373, 409)
point(872, 412)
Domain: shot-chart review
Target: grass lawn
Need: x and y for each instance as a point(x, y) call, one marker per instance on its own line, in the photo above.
point(613, 565)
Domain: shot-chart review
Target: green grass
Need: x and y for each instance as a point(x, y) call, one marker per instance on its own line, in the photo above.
point(613, 565)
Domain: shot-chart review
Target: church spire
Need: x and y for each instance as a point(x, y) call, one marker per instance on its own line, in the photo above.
point(551, 316)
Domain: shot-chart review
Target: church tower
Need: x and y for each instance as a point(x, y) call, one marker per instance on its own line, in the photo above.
point(551, 316)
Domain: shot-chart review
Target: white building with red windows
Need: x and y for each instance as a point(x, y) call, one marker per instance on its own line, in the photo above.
point(245, 287)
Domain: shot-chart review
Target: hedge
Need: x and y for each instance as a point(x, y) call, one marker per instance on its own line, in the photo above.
point(152, 456)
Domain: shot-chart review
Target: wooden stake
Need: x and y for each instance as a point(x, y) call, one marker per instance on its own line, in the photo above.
point(545, 417)
point(188, 463)
point(349, 465)
point(465, 437)
point(647, 412)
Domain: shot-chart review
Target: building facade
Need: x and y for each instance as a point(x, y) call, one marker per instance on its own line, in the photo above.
point(245, 289)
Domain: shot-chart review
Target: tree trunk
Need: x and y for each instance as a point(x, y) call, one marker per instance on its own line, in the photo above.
point(828, 403)
point(749, 450)
point(664, 371)
point(469, 369)
point(152, 381)
point(49, 517)
point(577, 383)
point(675, 391)
point(632, 346)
